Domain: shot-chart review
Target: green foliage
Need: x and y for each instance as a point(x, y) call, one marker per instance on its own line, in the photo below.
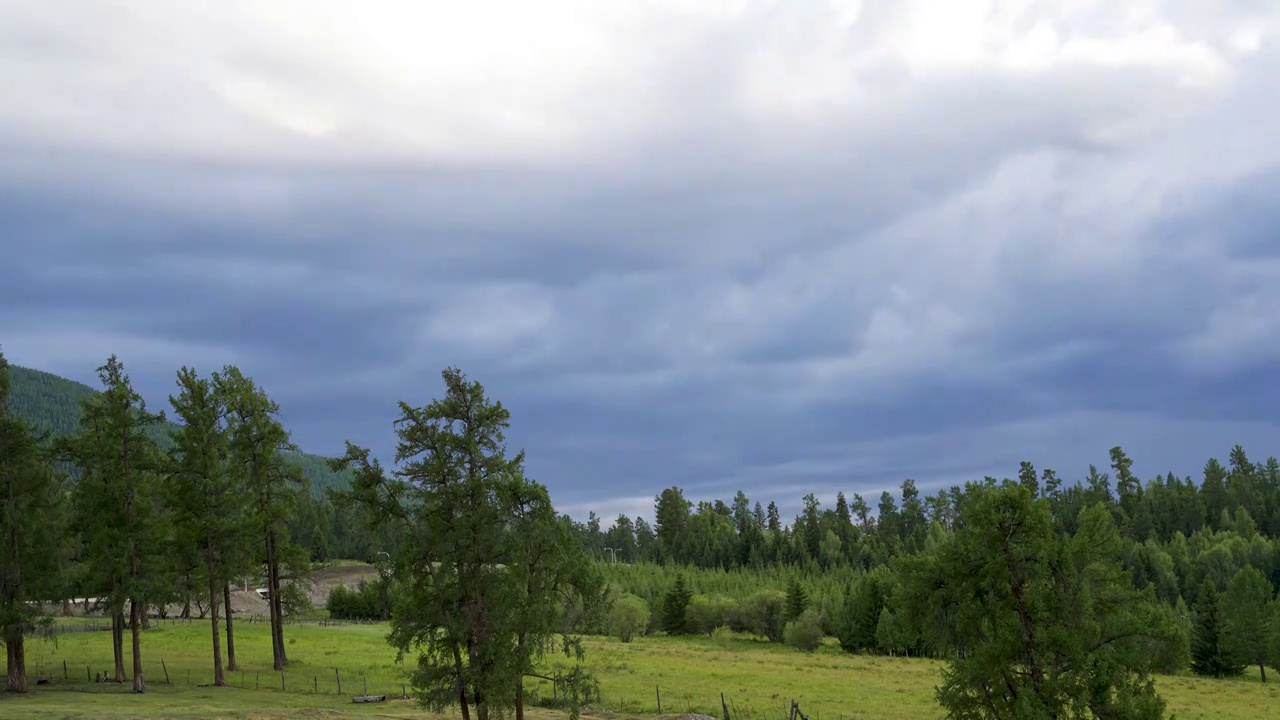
point(804, 632)
point(797, 600)
point(369, 600)
point(51, 405)
point(1247, 618)
point(765, 613)
point(1210, 655)
point(864, 601)
point(628, 617)
point(704, 614)
point(1042, 625)
point(32, 526)
point(204, 494)
point(483, 559)
point(675, 607)
point(723, 636)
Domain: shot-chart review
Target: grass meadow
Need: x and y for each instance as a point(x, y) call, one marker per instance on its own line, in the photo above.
point(758, 679)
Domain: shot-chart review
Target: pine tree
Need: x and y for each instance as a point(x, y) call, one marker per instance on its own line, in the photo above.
point(1213, 491)
point(207, 498)
point(260, 447)
point(30, 535)
point(1246, 626)
point(1209, 656)
point(674, 607)
point(483, 561)
point(797, 599)
point(117, 504)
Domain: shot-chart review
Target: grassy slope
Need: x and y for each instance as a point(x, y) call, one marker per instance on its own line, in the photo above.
point(758, 679)
point(52, 404)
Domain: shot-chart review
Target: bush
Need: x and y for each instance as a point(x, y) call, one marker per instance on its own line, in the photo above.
point(722, 635)
point(805, 632)
point(294, 602)
point(764, 613)
point(368, 601)
point(629, 617)
point(705, 614)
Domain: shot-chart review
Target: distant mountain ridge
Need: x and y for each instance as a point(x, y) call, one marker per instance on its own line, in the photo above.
point(51, 404)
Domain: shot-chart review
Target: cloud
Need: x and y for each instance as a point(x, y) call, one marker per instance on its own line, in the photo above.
point(810, 245)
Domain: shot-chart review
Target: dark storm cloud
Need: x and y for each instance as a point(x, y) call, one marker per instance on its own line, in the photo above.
point(797, 251)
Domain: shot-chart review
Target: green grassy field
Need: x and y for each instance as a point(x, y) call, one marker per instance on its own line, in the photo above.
point(758, 679)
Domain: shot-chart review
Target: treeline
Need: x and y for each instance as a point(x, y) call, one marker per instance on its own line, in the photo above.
point(1193, 556)
point(1243, 496)
point(159, 515)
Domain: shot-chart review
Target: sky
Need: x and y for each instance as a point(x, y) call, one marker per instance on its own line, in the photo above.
point(785, 247)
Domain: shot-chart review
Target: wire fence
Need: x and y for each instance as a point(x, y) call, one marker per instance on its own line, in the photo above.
point(101, 678)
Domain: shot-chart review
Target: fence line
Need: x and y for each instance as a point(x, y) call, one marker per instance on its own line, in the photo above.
point(718, 704)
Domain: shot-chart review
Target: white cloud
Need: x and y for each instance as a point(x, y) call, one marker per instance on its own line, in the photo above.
point(565, 80)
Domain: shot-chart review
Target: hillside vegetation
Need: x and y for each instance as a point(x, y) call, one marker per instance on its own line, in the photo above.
point(51, 404)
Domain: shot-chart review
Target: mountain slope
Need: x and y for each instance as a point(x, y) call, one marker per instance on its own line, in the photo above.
point(52, 404)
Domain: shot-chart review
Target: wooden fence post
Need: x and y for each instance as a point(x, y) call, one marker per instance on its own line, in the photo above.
point(724, 706)
point(338, 677)
point(658, 691)
point(65, 674)
point(166, 672)
point(281, 680)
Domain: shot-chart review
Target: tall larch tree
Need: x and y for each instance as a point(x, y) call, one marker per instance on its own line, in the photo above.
point(31, 532)
point(474, 600)
point(117, 503)
point(205, 494)
point(259, 447)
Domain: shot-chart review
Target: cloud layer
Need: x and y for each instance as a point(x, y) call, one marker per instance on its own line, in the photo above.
point(777, 246)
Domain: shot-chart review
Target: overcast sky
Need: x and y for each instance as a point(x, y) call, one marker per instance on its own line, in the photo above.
point(789, 246)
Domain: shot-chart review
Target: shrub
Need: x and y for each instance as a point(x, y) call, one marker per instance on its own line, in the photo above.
point(722, 635)
point(764, 612)
point(805, 632)
point(629, 616)
point(705, 614)
point(367, 601)
point(293, 601)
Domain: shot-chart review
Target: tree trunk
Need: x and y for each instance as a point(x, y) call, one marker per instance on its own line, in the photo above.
point(1263, 667)
point(135, 609)
point(218, 679)
point(231, 643)
point(520, 699)
point(117, 642)
point(17, 666)
point(273, 588)
point(462, 685)
point(186, 608)
point(17, 669)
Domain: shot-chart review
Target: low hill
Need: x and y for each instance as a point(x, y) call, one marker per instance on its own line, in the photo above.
point(52, 404)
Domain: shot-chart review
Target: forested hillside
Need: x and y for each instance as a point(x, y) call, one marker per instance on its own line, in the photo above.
point(51, 404)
